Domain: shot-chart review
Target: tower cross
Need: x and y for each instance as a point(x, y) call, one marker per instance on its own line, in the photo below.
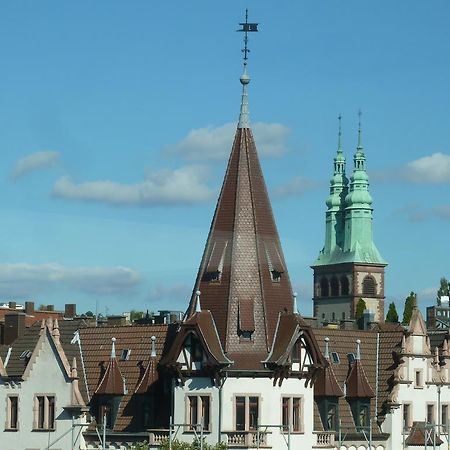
point(247, 28)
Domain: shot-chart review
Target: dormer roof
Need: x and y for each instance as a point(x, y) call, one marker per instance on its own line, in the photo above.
point(112, 382)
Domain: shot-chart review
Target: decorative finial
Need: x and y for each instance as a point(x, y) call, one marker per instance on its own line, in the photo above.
point(327, 351)
point(113, 347)
point(247, 28)
point(340, 133)
point(359, 129)
point(198, 307)
point(295, 302)
point(245, 79)
point(358, 351)
point(153, 352)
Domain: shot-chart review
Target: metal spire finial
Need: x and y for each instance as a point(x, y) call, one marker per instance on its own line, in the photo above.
point(245, 79)
point(198, 307)
point(295, 302)
point(153, 351)
point(340, 133)
point(113, 348)
point(327, 350)
point(359, 129)
point(358, 350)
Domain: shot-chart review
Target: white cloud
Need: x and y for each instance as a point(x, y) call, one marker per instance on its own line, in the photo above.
point(165, 187)
point(26, 280)
point(214, 143)
point(442, 211)
point(35, 161)
point(296, 186)
point(429, 169)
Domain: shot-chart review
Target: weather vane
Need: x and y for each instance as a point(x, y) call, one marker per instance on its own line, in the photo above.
point(247, 28)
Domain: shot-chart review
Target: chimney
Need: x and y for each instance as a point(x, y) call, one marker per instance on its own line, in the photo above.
point(50, 307)
point(70, 310)
point(14, 326)
point(12, 305)
point(29, 308)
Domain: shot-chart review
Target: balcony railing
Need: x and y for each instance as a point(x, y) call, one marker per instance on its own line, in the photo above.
point(324, 439)
point(157, 437)
point(246, 439)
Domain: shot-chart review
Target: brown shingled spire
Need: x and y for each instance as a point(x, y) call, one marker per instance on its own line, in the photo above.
point(243, 276)
point(357, 385)
point(326, 384)
point(112, 382)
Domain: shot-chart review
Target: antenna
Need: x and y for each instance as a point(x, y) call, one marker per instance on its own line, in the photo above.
point(247, 28)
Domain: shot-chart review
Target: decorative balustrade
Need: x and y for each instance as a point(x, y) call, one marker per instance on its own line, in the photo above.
point(245, 439)
point(324, 439)
point(157, 437)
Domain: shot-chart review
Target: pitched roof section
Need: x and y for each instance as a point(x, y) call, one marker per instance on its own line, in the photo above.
point(357, 384)
point(112, 382)
point(242, 249)
point(417, 325)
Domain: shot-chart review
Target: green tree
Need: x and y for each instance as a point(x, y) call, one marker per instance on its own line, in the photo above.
point(410, 303)
point(444, 289)
point(360, 307)
point(135, 315)
point(177, 445)
point(392, 315)
point(140, 446)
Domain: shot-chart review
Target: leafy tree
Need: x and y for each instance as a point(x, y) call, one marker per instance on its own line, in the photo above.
point(89, 314)
point(360, 307)
point(392, 315)
point(135, 315)
point(444, 289)
point(410, 303)
point(140, 446)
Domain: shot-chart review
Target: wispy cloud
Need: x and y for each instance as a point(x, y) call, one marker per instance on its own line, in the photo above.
point(177, 295)
point(186, 185)
point(429, 169)
point(214, 143)
point(35, 161)
point(295, 186)
point(26, 280)
point(417, 213)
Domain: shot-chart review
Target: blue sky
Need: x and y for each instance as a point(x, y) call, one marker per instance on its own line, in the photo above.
point(116, 119)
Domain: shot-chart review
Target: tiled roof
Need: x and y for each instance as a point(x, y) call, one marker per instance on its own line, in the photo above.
point(96, 346)
point(417, 436)
point(243, 245)
point(357, 385)
point(343, 342)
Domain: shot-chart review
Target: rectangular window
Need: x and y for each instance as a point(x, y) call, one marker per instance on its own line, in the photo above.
point(45, 412)
point(199, 412)
point(12, 422)
point(406, 415)
point(430, 413)
point(444, 418)
point(240, 413)
point(291, 413)
point(418, 381)
point(246, 412)
point(332, 417)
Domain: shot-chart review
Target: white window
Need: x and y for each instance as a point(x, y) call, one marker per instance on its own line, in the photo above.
point(406, 415)
point(198, 412)
point(430, 413)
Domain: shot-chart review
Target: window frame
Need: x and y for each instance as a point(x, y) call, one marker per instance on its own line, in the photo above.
point(431, 405)
point(199, 412)
point(292, 416)
point(406, 407)
point(418, 382)
point(246, 398)
point(44, 412)
point(9, 412)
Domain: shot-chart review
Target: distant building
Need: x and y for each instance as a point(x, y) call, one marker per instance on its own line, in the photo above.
point(438, 316)
point(349, 266)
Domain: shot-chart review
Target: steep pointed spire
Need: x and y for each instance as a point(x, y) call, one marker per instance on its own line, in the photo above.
point(244, 116)
point(326, 384)
point(243, 276)
point(112, 382)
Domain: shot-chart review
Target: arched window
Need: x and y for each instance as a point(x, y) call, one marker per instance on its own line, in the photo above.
point(345, 286)
point(324, 287)
point(369, 286)
point(334, 287)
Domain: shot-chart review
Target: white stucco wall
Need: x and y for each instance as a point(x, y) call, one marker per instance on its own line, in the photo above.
point(270, 410)
point(46, 378)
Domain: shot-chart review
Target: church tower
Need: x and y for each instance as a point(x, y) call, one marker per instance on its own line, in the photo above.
point(349, 267)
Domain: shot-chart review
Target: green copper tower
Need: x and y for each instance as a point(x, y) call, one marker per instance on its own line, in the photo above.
point(349, 267)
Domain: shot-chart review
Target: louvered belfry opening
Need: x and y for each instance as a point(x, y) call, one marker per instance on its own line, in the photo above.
point(242, 277)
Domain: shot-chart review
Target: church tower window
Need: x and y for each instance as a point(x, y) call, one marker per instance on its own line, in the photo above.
point(369, 286)
point(324, 287)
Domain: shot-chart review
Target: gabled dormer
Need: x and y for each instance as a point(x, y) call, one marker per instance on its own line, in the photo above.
point(109, 392)
point(358, 391)
point(327, 393)
point(294, 351)
point(196, 350)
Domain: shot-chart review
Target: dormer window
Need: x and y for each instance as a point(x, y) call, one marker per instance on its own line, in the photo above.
point(125, 356)
point(214, 268)
point(276, 276)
